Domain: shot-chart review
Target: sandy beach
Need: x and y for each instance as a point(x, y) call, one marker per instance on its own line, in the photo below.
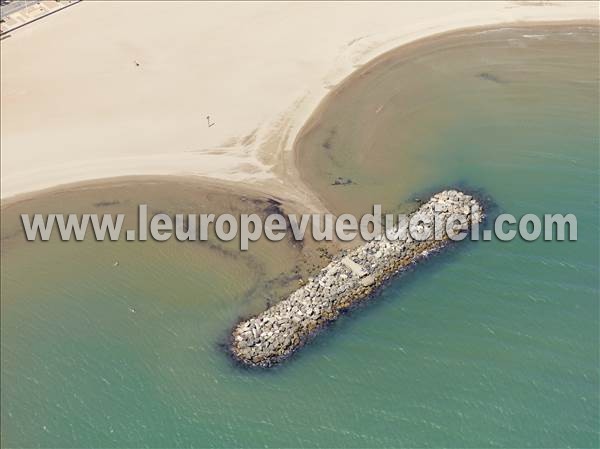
point(100, 90)
point(198, 108)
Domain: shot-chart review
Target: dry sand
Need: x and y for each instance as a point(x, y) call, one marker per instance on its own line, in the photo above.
point(75, 106)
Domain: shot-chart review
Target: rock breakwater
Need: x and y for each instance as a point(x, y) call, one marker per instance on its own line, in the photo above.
point(350, 278)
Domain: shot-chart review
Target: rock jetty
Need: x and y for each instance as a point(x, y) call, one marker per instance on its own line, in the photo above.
point(350, 278)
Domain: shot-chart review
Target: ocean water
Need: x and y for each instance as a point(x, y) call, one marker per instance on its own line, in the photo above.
point(489, 345)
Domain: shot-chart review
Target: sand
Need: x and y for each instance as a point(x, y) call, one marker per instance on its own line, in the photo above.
point(107, 89)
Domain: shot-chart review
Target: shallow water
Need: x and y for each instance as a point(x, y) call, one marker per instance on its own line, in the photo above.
point(492, 344)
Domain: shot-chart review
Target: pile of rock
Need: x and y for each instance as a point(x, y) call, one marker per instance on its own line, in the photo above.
point(350, 278)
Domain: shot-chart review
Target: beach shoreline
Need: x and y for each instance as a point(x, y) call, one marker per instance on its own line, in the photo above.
point(405, 53)
point(250, 152)
point(132, 341)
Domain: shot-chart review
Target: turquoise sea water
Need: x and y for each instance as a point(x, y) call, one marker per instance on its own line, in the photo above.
point(489, 345)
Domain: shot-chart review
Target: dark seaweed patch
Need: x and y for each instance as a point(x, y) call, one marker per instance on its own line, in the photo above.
point(107, 203)
point(328, 143)
point(486, 76)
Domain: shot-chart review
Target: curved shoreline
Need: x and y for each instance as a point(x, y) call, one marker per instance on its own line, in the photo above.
point(269, 156)
point(286, 177)
point(415, 46)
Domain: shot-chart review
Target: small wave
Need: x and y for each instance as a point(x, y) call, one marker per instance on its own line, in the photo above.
point(494, 30)
point(534, 36)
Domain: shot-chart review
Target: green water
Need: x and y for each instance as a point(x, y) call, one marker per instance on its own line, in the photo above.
point(493, 344)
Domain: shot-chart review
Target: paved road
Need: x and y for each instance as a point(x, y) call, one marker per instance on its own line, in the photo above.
point(8, 7)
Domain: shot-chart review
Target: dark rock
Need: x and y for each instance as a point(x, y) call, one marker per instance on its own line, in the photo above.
point(339, 181)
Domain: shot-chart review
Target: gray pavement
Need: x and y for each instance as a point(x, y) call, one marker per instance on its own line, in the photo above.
point(8, 7)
